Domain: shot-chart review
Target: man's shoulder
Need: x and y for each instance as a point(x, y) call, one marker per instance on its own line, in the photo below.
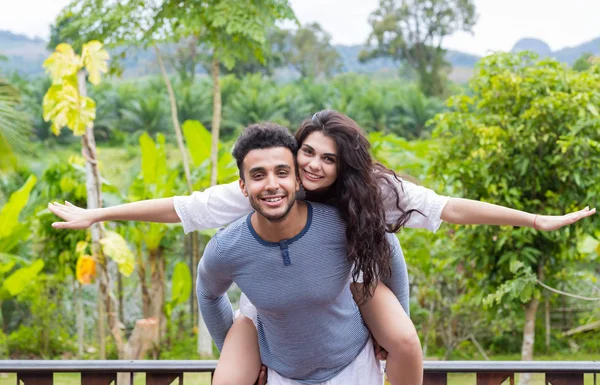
point(234, 229)
point(324, 213)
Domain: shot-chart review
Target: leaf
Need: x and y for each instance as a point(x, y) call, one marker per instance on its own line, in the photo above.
point(149, 158)
point(95, 60)
point(62, 63)
point(588, 245)
point(115, 247)
point(85, 270)
point(18, 281)
point(63, 106)
point(181, 284)
point(6, 267)
point(198, 140)
point(9, 215)
point(592, 109)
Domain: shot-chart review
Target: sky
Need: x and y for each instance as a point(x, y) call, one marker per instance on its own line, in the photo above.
point(501, 23)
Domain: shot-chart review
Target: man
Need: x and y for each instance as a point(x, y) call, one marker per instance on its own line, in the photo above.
point(289, 258)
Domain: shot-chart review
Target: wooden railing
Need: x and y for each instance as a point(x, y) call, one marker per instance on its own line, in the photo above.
point(165, 372)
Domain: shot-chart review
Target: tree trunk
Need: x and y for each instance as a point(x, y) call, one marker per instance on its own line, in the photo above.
point(100, 330)
point(428, 327)
point(157, 289)
point(175, 119)
point(547, 319)
point(528, 337)
point(79, 319)
point(184, 157)
point(94, 200)
point(204, 340)
point(216, 119)
point(120, 297)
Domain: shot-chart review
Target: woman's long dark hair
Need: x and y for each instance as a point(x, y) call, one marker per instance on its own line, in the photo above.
point(357, 194)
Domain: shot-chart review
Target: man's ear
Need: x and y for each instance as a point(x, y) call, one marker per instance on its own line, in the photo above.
point(298, 183)
point(243, 188)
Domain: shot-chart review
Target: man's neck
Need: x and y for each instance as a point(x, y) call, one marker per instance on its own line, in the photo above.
point(286, 228)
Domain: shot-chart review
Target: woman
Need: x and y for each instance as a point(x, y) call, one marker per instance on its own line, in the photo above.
point(333, 160)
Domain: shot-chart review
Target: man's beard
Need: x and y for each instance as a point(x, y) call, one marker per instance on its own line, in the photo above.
point(273, 218)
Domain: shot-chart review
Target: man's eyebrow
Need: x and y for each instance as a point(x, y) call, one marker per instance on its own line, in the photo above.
point(284, 166)
point(256, 169)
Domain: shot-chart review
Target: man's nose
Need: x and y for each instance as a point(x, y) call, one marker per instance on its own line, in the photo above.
point(272, 183)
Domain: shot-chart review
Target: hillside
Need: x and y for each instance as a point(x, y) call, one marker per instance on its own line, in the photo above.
point(26, 56)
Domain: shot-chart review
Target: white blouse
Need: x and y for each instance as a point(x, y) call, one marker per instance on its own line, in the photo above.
point(220, 205)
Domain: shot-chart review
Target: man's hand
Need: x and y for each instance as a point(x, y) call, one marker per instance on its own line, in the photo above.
point(380, 353)
point(75, 218)
point(262, 376)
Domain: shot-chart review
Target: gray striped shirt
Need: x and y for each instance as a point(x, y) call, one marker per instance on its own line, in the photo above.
point(309, 326)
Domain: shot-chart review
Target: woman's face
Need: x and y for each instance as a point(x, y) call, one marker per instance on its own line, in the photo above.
point(317, 162)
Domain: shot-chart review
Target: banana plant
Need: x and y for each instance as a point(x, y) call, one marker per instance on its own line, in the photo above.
point(15, 279)
point(156, 180)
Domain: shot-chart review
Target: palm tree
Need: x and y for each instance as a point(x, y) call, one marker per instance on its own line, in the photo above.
point(14, 125)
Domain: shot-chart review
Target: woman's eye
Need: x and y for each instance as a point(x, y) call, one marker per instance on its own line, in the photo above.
point(307, 151)
point(329, 160)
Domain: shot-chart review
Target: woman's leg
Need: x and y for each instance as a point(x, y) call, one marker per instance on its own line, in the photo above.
point(395, 332)
point(239, 363)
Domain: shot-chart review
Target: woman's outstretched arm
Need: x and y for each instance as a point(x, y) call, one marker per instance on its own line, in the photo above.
point(214, 207)
point(153, 210)
point(469, 212)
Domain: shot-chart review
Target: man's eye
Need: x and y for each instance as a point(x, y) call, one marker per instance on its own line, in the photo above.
point(283, 173)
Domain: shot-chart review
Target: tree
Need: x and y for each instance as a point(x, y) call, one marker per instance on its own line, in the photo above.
point(584, 62)
point(310, 52)
point(528, 138)
point(231, 31)
point(66, 104)
point(14, 125)
point(413, 31)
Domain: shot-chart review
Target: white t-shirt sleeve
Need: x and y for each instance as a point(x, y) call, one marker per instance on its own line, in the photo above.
point(413, 197)
point(214, 207)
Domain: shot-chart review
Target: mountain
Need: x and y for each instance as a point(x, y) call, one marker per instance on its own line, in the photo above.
point(568, 55)
point(26, 55)
point(535, 45)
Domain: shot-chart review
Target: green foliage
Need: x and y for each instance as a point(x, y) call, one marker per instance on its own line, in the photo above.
point(584, 63)
point(45, 331)
point(527, 137)
point(310, 51)
point(12, 231)
point(232, 30)
point(14, 126)
point(413, 31)
point(181, 287)
point(18, 280)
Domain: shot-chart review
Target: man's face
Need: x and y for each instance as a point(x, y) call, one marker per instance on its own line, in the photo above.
point(270, 181)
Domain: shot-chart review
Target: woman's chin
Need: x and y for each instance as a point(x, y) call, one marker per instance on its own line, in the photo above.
point(310, 185)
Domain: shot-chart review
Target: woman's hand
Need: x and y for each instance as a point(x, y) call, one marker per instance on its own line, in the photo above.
point(262, 376)
point(554, 222)
point(74, 217)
